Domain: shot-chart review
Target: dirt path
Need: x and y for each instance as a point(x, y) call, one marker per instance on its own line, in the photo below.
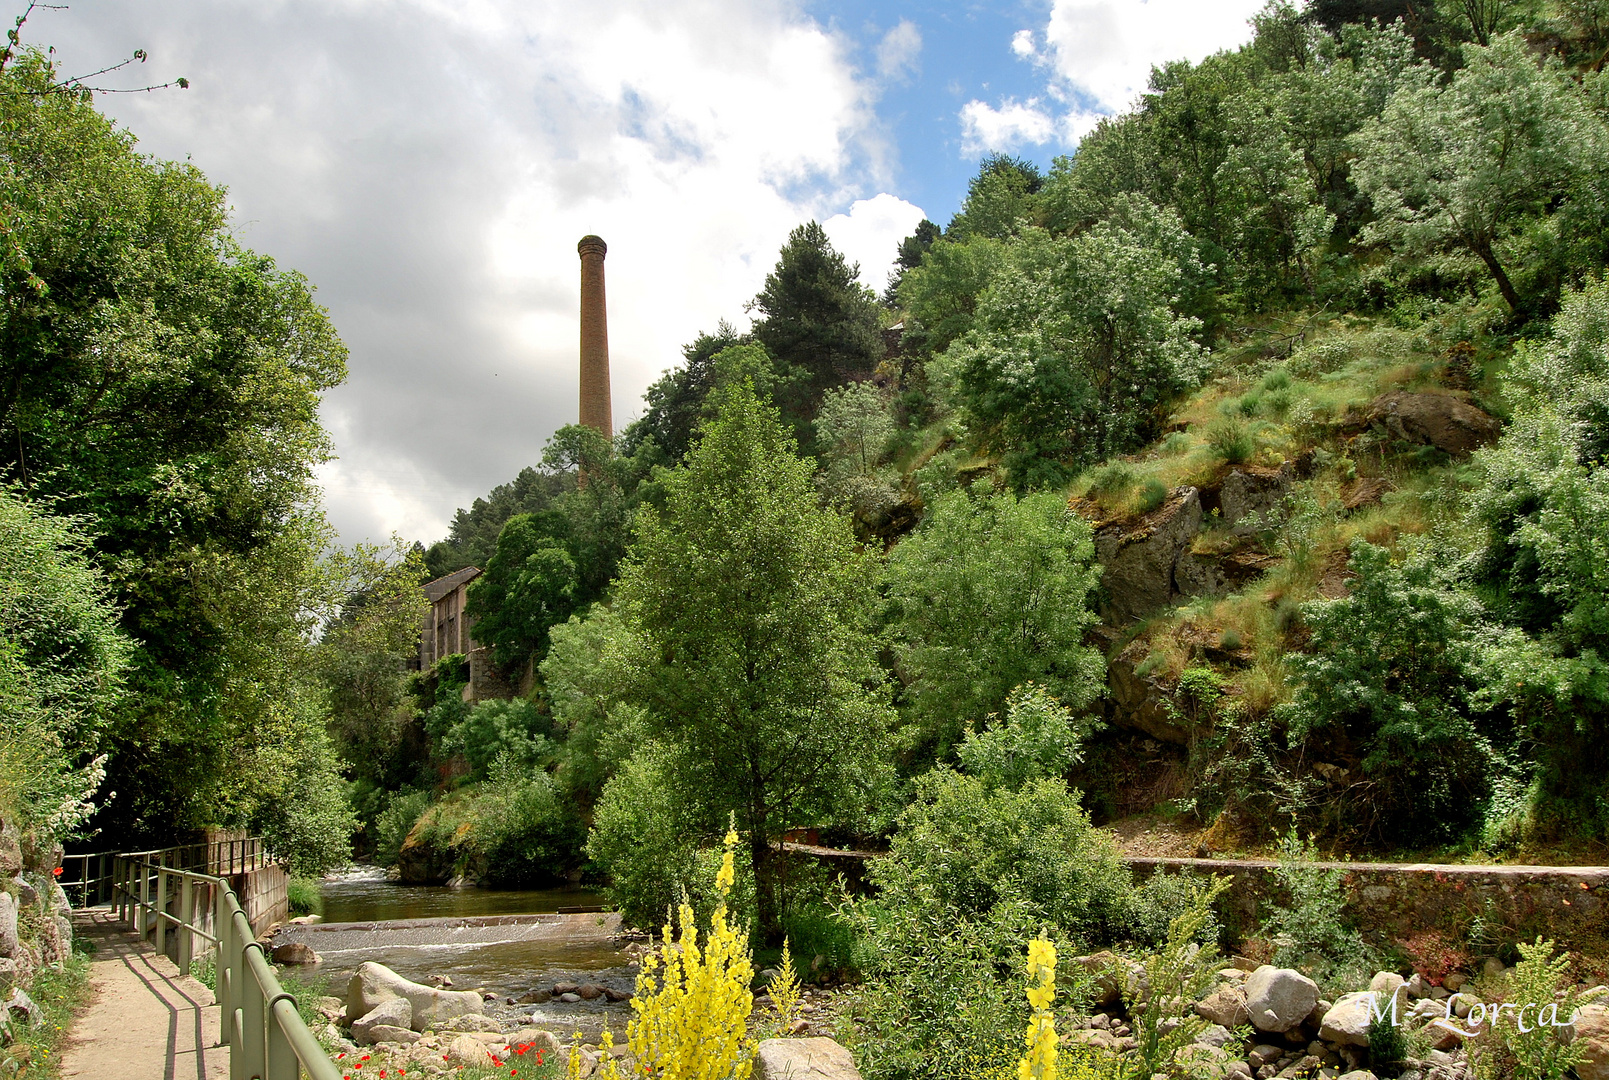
point(145, 1021)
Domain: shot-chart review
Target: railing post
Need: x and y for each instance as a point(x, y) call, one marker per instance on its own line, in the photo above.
point(253, 1049)
point(280, 1063)
point(139, 899)
point(223, 928)
point(161, 906)
point(187, 918)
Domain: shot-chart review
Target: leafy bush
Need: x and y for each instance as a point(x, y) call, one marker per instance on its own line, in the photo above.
point(1231, 440)
point(1158, 901)
point(1038, 739)
point(393, 824)
point(973, 872)
point(1312, 932)
point(513, 829)
point(1153, 493)
point(1538, 1050)
point(305, 896)
point(644, 840)
point(1180, 971)
point(515, 730)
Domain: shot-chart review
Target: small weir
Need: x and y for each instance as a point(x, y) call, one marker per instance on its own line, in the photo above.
point(502, 941)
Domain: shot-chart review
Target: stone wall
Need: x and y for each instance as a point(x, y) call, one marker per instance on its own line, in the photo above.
point(264, 896)
point(1569, 904)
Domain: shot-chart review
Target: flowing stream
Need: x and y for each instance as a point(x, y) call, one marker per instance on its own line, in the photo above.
point(465, 933)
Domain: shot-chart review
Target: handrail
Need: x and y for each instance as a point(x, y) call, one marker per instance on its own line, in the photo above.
point(266, 1035)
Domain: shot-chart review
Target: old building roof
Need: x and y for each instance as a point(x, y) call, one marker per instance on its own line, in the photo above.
point(435, 590)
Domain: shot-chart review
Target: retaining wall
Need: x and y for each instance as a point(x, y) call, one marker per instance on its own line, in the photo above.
point(1569, 904)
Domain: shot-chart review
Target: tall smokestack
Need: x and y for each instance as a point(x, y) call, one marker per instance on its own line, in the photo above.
point(595, 409)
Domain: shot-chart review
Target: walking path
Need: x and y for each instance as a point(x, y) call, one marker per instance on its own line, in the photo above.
point(144, 1019)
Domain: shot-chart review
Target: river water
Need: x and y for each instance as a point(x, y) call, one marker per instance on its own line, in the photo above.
point(368, 918)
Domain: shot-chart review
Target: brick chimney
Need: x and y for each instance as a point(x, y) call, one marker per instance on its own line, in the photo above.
point(596, 412)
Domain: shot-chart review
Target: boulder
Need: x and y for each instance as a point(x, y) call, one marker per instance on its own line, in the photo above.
point(401, 1036)
point(590, 992)
point(373, 983)
point(803, 1059)
point(580, 1062)
point(1306, 1066)
point(1225, 1006)
point(468, 1050)
point(1279, 998)
point(1358, 1074)
point(611, 994)
point(534, 1039)
point(1215, 1035)
point(1141, 701)
point(332, 1008)
point(10, 945)
point(569, 999)
point(1252, 490)
point(393, 1012)
point(1138, 556)
point(1592, 1034)
point(1388, 984)
point(295, 952)
point(534, 997)
point(20, 1007)
point(1348, 1019)
point(1264, 1054)
point(1434, 420)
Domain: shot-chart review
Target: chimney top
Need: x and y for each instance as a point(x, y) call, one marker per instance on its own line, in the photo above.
point(590, 243)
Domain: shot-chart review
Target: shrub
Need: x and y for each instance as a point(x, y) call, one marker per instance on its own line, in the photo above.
point(1312, 932)
point(1178, 973)
point(1113, 478)
point(304, 896)
point(1231, 440)
point(1539, 1050)
point(1039, 738)
point(1158, 901)
point(1153, 493)
point(393, 824)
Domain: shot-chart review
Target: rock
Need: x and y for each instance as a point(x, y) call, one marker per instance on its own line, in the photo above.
point(1493, 969)
point(534, 1039)
point(803, 1059)
point(1418, 988)
point(10, 850)
point(1348, 1020)
point(1444, 1036)
point(1239, 1068)
point(332, 1008)
point(534, 997)
point(305, 920)
point(1215, 1035)
point(440, 982)
point(1364, 491)
point(8, 973)
point(53, 947)
point(1359, 1074)
point(611, 994)
point(373, 983)
point(1279, 998)
point(1252, 490)
point(1225, 1006)
point(471, 1022)
point(1138, 556)
point(10, 945)
point(1316, 1017)
point(581, 1062)
point(295, 952)
point(1198, 1060)
point(589, 992)
point(570, 998)
point(393, 1012)
point(1592, 1034)
point(1387, 985)
point(467, 1050)
point(1455, 981)
point(1141, 701)
point(1435, 420)
point(1102, 966)
point(383, 1033)
point(1264, 1054)
point(1303, 1067)
point(1099, 1040)
point(21, 1008)
point(565, 988)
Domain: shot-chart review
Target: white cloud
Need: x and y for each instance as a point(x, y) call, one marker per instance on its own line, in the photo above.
point(430, 166)
point(898, 51)
point(1100, 54)
point(870, 234)
point(986, 128)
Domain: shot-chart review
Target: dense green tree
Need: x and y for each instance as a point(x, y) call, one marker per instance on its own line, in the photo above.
point(62, 658)
point(993, 592)
point(818, 322)
point(1000, 200)
point(676, 401)
point(529, 584)
point(1468, 166)
point(911, 250)
point(162, 383)
point(1076, 348)
point(744, 616)
point(472, 537)
point(940, 296)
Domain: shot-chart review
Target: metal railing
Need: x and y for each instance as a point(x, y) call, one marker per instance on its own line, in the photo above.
point(257, 1018)
point(89, 875)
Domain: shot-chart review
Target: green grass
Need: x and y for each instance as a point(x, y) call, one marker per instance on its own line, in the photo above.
point(58, 992)
point(305, 896)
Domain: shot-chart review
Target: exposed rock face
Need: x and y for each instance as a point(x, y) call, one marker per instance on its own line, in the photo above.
point(1139, 556)
point(1251, 490)
point(1207, 575)
point(1140, 701)
point(803, 1059)
point(394, 1012)
point(423, 864)
point(9, 943)
point(1434, 420)
point(375, 983)
point(1592, 1033)
point(1279, 998)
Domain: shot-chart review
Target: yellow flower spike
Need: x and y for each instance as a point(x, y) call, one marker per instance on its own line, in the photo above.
point(1040, 1061)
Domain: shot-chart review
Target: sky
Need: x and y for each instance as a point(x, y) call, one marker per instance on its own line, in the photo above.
point(430, 164)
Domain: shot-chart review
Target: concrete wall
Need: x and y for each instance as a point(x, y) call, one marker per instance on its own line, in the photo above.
point(1569, 904)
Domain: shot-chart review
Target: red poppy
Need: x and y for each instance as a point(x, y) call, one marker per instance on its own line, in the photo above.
point(57, 871)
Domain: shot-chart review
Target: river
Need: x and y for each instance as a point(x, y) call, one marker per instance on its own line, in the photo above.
point(369, 918)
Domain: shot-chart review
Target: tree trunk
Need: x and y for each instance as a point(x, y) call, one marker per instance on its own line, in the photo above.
point(1504, 285)
point(765, 901)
